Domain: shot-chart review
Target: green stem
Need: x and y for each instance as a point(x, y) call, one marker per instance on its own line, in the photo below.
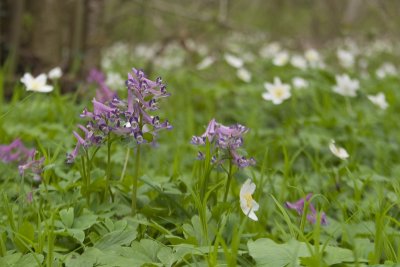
point(87, 180)
point(229, 179)
point(135, 180)
point(206, 171)
point(108, 174)
point(125, 165)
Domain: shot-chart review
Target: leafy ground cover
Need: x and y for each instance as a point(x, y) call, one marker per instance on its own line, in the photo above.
point(275, 158)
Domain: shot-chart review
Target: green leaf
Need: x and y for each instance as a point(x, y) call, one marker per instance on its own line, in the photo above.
point(30, 260)
point(26, 234)
point(268, 253)
point(116, 238)
point(67, 217)
point(84, 222)
point(78, 234)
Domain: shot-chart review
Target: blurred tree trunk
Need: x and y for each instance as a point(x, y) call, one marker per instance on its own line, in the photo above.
point(15, 34)
point(353, 9)
point(46, 44)
point(69, 34)
point(94, 33)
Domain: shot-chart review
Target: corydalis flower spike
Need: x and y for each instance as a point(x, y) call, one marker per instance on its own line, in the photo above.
point(226, 138)
point(129, 119)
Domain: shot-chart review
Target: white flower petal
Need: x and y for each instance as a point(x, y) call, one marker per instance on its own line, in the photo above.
point(41, 79)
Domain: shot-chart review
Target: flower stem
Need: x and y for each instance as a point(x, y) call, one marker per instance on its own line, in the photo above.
point(88, 168)
point(228, 182)
point(122, 178)
point(108, 174)
point(135, 180)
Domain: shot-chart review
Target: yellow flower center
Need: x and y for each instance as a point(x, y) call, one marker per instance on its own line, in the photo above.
point(278, 92)
point(249, 200)
point(35, 85)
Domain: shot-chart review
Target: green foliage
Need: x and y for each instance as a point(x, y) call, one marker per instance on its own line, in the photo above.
point(186, 214)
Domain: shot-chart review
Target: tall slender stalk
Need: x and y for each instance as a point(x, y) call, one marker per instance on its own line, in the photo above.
point(229, 179)
point(135, 180)
point(122, 178)
point(87, 170)
point(108, 174)
point(206, 170)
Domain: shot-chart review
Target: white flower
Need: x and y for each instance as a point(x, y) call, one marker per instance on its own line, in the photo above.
point(269, 50)
point(346, 86)
point(298, 61)
point(281, 59)
point(299, 83)
point(277, 91)
point(339, 152)
point(379, 100)
point(313, 58)
point(37, 84)
point(205, 63)
point(234, 61)
point(244, 75)
point(55, 73)
point(346, 58)
point(248, 57)
point(145, 51)
point(114, 80)
point(247, 203)
point(387, 69)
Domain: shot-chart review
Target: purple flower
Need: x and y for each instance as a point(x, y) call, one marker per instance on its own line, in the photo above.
point(299, 207)
point(103, 93)
point(130, 119)
point(24, 157)
point(35, 166)
point(225, 138)
point(15, 152)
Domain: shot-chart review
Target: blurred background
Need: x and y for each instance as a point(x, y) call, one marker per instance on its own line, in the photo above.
point(38, 35)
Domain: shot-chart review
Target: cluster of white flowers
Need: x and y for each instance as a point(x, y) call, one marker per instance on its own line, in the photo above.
point(238, 63)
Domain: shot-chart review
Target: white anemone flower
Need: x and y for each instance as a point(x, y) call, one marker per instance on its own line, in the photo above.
point(346, 86)
point(205, 63)
point(346, 58)
point(247, 203)
point(55, 73)
point(339, 152)
point(299, 62)
point(233, 60)
point(269, 50)
point(244, 75)
point(387, 69)
point(379, 100)
point(313, 58)
point(281, 59)
point(114, 80)
point(37, 84)
point(277, 91)
point(299, 83)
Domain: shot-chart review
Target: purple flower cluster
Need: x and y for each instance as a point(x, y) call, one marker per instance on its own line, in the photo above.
point(225, 138)
point(128, 119)
point(103, 92)
point(299, 207)
point(24, 157)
